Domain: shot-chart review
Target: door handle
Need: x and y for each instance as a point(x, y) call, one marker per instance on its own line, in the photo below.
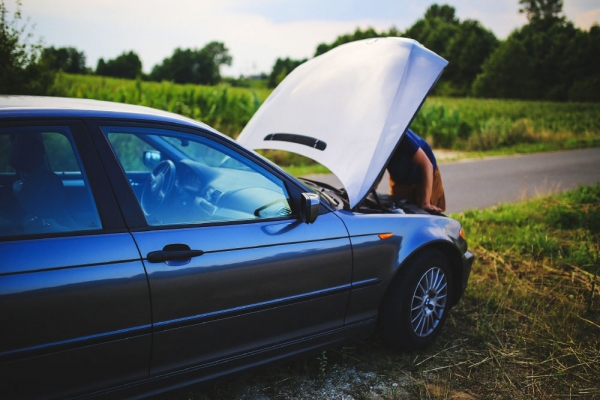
point(173, 252)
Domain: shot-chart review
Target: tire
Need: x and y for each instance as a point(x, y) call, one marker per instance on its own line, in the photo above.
point(417, 302)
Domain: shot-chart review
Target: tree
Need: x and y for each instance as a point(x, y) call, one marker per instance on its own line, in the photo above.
point(554, 46)
point(547, 59)
point(445, 13)
point(194, 66)
point(436, 29)
point(541, 10)
point(66, 59)
point(21, 68)
point(507, 73)
point(282, 67)
point(127, 65)
point(466, 52)
point(466, 45)
point(351, 37)
point(586, 79)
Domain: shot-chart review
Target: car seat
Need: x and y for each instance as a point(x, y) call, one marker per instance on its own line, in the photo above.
point(40, 192)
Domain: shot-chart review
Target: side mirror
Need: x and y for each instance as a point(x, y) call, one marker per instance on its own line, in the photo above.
point(311, 205)
point(152, 158)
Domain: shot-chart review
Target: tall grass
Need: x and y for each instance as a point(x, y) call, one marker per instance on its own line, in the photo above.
point(462, 124)
point(479, 124)
point(533, 299)
point(225, 108)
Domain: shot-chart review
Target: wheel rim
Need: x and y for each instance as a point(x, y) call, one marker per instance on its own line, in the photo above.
point(429, 302)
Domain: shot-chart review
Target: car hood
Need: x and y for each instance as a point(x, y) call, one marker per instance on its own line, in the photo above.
point(348, 108)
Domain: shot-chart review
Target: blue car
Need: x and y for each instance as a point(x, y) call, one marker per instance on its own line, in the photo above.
point(143, 251)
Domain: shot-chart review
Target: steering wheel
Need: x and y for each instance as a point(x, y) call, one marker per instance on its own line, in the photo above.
point(158, 186)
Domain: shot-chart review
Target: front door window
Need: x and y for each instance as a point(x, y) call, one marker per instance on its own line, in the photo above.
point(186, 179)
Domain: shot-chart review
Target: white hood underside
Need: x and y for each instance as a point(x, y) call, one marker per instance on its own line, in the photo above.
point(348, 108)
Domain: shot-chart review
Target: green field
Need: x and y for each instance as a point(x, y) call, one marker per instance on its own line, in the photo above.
point(472, 125)
point(225, 108)
point(488, 125)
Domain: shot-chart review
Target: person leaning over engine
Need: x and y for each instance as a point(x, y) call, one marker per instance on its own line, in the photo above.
point(414, 174)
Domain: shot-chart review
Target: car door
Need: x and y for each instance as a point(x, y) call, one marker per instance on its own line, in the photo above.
point(231, 266)
point(74, 300)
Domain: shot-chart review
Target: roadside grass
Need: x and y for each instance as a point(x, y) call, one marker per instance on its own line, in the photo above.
point(528, 325)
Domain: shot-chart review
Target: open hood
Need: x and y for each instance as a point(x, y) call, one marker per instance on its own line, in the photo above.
point(348, 108)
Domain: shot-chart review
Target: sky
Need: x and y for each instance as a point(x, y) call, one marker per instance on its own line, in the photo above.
point(256, 32)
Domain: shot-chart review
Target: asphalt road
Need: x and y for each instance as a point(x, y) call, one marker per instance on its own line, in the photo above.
point(488, 182)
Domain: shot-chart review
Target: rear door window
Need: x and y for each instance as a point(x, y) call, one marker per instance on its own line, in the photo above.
point(43, 186)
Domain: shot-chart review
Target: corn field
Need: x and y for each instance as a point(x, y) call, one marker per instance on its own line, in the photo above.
point(222, 107)
point(452, 123)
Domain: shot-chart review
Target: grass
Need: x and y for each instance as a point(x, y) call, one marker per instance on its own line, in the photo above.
point(476, 127)
point(225, 108)
point(484, 124)
point(528, 325)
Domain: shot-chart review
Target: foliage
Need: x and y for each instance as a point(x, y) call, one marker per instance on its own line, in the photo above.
point(498, 78)
point(549, 59)
point(256, 81)
point(358, 34)
point(457, 123)
point(441, 125)
point(466, 52)
point(193, 66)
point(435, 30)
point(537, 10)
point(465, 44)
point(282, 67)
point(586, 89)
point(225, 108)
point(66, 59)
point(484, 125)
point(127, 65)
point(21, 69)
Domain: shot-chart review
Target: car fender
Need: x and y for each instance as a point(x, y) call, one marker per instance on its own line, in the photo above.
point(379, 256)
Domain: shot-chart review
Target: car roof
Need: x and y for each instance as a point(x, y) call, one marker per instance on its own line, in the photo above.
point(51, 107)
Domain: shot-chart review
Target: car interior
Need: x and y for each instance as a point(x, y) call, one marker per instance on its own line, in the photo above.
point(36, 199)
point(185, 181)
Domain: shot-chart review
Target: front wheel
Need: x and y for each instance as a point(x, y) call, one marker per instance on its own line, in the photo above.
point(418, 301)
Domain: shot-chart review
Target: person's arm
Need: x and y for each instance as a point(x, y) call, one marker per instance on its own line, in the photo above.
point(426, 167)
